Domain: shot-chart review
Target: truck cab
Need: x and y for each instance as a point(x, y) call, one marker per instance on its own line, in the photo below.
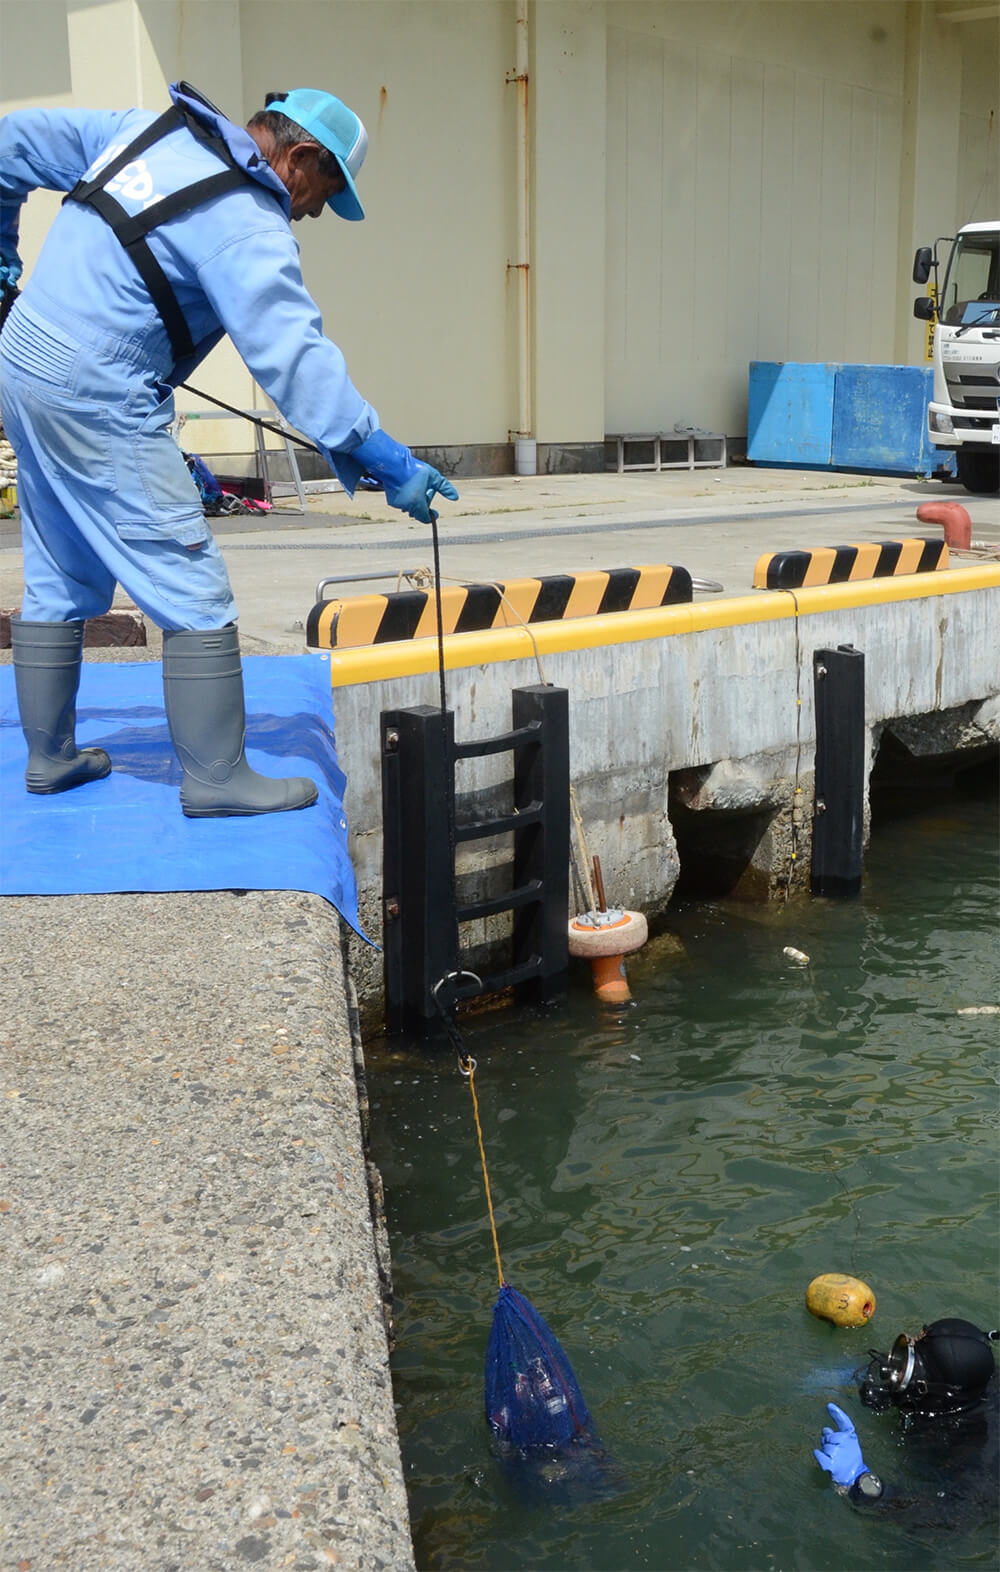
point(964, 310)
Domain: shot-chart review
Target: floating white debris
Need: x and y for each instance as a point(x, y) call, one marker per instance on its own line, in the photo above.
point(980, 1009)
point(798, 956)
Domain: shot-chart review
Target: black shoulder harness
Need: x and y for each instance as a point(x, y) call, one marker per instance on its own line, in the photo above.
point(132, 231)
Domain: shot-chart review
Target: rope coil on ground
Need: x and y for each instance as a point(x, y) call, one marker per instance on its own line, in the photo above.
point(8, 461)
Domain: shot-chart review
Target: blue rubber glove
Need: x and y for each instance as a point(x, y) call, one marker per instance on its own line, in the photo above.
point(840, 1453)
point(409, 484)
point(10, 265)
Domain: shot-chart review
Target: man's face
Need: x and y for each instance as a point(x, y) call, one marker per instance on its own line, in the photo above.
point(308, 189)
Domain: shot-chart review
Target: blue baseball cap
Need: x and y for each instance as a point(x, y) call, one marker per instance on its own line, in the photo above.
point(341, 133)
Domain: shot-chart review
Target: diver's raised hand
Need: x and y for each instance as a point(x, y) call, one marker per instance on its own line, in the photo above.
point(839, 1452)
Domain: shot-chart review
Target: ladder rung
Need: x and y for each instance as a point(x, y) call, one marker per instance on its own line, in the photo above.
point(497, 981)
point(523, 896)
point(510, 739)
point(480, 828)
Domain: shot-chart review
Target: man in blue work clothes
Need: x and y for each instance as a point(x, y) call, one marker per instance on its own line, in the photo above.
point(175, 231)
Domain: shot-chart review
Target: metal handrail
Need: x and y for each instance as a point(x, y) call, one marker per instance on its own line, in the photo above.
point(358, 578)
point(706, 586)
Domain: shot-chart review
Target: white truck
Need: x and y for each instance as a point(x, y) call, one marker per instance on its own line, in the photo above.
point(964, 311)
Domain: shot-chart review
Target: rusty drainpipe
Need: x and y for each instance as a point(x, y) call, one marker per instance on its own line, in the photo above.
point(525, 448)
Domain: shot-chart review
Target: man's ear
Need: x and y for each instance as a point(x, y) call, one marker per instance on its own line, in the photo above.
point(301, 153)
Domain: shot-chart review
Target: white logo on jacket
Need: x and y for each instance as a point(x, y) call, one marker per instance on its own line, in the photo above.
point(133, 183)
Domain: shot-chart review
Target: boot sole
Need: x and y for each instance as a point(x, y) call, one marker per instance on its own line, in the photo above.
point(243, 813)
point(50, 791)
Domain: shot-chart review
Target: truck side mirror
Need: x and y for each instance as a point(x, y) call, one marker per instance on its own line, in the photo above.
point(922, 263)
point(924, 308)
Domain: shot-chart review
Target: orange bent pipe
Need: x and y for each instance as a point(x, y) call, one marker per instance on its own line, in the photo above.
point(953, 518)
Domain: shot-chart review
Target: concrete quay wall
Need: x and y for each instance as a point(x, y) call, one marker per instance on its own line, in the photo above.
point(195, 1363)
point(704, 709)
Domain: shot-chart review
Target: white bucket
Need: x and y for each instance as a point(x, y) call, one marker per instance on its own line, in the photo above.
point(525, 456)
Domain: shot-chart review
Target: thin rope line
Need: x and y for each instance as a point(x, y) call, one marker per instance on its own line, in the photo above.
point(469, 1069)
point(450, 760)
point(440, 614)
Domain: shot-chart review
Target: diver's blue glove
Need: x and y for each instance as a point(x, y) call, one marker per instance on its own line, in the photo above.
point(409, 484)
point(840, 1453)
point(10, 265)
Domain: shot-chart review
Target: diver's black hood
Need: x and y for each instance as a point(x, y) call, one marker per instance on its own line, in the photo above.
point(945, 1370)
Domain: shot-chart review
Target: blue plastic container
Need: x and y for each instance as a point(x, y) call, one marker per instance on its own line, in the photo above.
point(790, 413)
point(880, 418)
point(833, 416)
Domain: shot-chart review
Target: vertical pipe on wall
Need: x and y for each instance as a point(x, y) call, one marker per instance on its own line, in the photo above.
point(525, 448)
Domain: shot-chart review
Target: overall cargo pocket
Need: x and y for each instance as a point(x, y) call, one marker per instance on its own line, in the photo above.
point(70, 438)
point(157, 496)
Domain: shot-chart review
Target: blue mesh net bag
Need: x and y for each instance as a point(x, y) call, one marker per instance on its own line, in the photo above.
point(532, 1398)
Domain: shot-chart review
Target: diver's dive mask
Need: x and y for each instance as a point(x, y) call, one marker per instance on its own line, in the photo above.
point(944, 1370)
point(890, 1376)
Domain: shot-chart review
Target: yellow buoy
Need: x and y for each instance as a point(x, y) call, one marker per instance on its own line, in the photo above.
point(846, 1301)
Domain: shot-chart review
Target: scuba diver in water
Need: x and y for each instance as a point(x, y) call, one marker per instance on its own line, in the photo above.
point(944, 1385)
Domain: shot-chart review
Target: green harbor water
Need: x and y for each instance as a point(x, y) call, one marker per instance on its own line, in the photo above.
point(667, 1185)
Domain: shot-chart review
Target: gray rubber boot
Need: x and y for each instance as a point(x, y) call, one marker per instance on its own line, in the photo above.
point(47, 659)
point(203, 694)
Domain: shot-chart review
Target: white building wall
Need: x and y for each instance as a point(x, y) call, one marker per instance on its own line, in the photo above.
point(753, 165)
point(416, 295)
point(711, 183)
point(979, 128)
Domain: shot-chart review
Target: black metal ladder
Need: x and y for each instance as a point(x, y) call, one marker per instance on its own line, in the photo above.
point(420, 909)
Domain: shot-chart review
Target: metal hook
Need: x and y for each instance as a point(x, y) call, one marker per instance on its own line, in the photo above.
point(450, 976)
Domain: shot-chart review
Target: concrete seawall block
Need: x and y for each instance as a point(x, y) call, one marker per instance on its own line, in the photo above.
point(196, 1367)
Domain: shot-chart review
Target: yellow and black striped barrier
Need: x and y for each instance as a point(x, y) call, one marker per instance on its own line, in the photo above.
point(880, 559)
point(474, 608)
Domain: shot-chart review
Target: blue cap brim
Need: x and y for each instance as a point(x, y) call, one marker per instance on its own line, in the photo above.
point(346, 203)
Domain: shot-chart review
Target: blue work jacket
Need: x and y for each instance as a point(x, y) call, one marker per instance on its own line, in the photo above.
point(232, 262)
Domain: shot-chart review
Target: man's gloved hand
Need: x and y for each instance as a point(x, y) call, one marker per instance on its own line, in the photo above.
point(409, 484)
point(414, 496)
point(840, 1452)
point(10, 265)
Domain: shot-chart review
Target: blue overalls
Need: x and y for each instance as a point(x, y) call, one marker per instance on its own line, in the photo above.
point(88, 360)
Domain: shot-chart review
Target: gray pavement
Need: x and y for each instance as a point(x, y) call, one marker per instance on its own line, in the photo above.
point(716, 523)
point(195, 1365)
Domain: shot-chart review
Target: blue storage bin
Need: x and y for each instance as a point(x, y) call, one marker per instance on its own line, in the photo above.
point(880, 418)
point(790, 413)
point(836, 416)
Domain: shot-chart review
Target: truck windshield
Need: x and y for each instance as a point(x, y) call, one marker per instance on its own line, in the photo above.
point(971, 291)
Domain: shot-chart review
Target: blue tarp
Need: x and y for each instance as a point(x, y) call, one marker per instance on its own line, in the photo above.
point(127, 832)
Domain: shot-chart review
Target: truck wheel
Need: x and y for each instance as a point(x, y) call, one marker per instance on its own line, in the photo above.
point(979, 470)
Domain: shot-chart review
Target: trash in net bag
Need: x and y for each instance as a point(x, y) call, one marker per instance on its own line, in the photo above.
point(532, 1398)
point(541, 1428)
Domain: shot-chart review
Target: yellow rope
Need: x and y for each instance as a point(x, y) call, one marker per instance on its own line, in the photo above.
point(468, 1068)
